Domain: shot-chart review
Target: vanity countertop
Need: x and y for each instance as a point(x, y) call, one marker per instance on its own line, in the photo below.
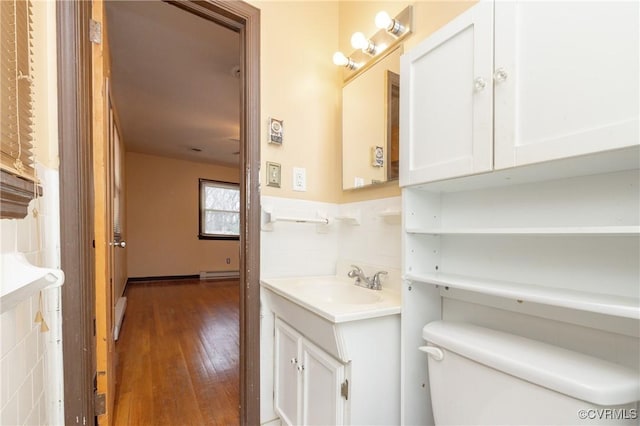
point(335, 299)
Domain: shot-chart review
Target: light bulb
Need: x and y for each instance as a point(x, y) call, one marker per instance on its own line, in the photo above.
point(386, 22)
point(383, 20)
point(359, 41)
point(342, 61)
point(339, 59)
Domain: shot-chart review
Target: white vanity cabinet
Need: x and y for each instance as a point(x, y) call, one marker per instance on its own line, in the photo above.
point(336, 361)
point(308, 381)
point(514, 83)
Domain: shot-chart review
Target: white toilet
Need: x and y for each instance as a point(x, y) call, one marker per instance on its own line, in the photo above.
point(480, 376)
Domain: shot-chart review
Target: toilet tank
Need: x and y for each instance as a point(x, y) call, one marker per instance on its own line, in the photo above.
point(487, 377)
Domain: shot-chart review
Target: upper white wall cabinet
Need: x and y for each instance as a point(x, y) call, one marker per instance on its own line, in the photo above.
point(562, 79)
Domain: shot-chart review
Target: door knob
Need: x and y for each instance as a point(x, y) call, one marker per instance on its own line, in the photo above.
point(121, 244)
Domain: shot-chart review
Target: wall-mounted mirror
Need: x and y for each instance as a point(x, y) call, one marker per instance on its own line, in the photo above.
point(371, 124)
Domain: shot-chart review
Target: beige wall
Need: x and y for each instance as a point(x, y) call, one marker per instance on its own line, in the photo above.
point(162, 218)
point(45, 84)
point(300, 85)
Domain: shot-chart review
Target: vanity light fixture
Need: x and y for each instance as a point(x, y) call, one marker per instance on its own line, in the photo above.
point(374, 48)
point(386, 22)
point(342, 61)
point(359, 41)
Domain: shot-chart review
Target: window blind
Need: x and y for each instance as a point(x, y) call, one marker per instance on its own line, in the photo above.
point(16, 87)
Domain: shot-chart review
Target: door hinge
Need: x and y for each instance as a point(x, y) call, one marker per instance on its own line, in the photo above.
point(344, 390)
point(95, 31)
point(100, 404)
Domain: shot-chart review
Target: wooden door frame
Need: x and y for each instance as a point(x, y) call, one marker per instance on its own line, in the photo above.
point(76, 209)
point(74, 101)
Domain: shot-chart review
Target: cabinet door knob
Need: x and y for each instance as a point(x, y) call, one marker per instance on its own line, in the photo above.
point(479, 84)
point(294, 360)
point(500, 75)
point(301, 367)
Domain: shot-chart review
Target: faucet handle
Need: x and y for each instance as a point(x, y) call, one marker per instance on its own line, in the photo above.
point(355, 272)
point(376, 279)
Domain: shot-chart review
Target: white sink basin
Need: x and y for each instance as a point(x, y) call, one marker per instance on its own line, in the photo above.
point(340, 293)
point(334, 298)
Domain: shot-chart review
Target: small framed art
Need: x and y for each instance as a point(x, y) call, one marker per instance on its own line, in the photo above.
point(276, 129)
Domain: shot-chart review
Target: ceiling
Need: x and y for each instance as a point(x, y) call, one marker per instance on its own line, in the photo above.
point(173, 84)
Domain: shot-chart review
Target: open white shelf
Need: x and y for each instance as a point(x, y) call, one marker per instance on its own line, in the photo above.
point(621, 306)
point(20, 280)
point(561, 230)
point(393, 216)
point(352, 218)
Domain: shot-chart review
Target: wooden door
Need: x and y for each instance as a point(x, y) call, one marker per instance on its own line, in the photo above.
point(103, 217)
point(322, 377)
point(118, 241)
point(566, 79)
point(287, 377)
point(446, 102)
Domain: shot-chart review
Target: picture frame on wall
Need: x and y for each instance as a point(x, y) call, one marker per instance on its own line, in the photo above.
point(276, 131)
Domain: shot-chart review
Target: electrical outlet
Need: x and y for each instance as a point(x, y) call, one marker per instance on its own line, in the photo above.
point(299, 179)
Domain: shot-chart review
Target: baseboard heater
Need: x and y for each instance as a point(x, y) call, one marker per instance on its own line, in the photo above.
point(219, 275)
point(121, 306)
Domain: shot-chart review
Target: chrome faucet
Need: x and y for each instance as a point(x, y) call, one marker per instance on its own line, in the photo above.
point(362, 280)
point(375, 280)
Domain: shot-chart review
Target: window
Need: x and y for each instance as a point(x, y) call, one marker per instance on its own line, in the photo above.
point(17, 176)
point(219, 210)
point(16, 68)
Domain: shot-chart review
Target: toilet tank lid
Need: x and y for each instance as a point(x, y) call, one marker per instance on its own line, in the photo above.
point(571, 373)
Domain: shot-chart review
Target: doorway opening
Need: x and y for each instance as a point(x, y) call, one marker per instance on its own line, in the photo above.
point(244, 21)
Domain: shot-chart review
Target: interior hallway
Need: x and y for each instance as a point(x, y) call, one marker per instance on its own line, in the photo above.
point(177, 355)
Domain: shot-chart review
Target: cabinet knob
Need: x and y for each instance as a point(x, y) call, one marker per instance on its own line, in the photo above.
point(300, 367)
point(294, 360)
point(479, 84)
point(500, 75)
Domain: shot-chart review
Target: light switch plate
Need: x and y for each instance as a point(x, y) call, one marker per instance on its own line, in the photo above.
point(299, 179)
point(273, 174)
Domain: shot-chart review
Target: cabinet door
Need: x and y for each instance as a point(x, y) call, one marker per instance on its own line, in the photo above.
point(446, 101)
point(323, 376)
point(566, 79)
point(287, 387)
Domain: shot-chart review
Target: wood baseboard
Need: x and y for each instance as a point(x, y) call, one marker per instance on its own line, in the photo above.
point(131, 280)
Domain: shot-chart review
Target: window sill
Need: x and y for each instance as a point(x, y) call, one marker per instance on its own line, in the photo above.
point(219, 237)
point(15, 195)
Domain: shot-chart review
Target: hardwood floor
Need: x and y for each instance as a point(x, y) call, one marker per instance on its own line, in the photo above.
point(177, 355)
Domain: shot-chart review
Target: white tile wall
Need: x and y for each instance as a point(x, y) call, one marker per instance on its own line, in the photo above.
point(24, 352)
point(377, 240)
point(31, 388)
point(299, 249)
